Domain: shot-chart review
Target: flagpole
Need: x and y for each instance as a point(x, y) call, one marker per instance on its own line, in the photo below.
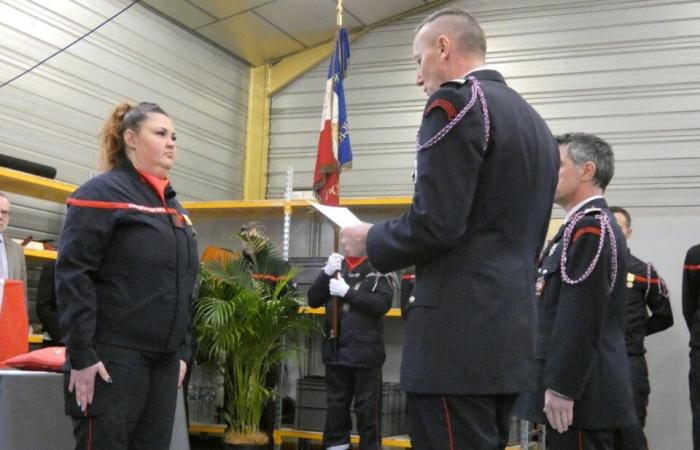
point(335, 329)
point(339, 14)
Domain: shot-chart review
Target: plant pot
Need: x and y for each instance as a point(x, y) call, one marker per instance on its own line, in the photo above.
point(252, 441)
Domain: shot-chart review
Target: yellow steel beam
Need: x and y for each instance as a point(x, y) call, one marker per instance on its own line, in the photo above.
point(34, 186)
point(270, 208)
point(213, 428)
point(391, 441)
point(257, 134)
point(393, 312)
point(40, 254)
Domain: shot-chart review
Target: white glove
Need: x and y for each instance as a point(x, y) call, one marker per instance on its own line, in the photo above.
point(333, 264)
point(339, 287)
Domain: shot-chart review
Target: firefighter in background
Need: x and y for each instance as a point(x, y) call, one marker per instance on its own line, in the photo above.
point(584, 395)
point(46, 306)
point(260, 253)
point(691, 301)
point(645, 290)
point(354, 357)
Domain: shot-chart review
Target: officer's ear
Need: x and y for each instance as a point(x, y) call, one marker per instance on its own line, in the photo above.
point(588, 172)
point(443, 46)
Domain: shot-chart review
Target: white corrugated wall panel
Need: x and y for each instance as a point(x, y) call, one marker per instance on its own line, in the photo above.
point(53, 115)
point(626, 70)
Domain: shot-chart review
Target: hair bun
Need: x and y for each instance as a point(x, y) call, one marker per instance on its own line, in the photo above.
point(120, 111)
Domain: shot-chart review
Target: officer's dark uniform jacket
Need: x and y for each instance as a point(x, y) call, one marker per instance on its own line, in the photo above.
point(580, 343)
point(361, 341)
point(691, 294)
point(645, 289)
point(477, 222)
point(126, 268)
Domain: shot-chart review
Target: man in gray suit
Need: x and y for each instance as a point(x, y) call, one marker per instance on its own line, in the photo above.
point(12, 264)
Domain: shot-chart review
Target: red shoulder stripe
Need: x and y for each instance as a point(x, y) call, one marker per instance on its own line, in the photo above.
point(123, 205)
point(409, 276)
point(691, 266)
point(585, 230)
point(443, 104)
point(642, 279)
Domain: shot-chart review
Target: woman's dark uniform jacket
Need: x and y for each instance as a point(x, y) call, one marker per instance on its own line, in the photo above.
point(126, 271)
point(476, 225)
point(580, 342)
point(361, 341)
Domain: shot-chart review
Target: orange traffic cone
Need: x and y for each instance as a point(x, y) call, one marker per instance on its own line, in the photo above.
point(14, 323)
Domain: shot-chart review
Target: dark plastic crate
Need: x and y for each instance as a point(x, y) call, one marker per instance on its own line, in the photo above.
point(311, 392)
point(311, 407)
point(310, 268)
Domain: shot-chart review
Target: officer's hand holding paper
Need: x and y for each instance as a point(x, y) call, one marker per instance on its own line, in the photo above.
point(353, 231)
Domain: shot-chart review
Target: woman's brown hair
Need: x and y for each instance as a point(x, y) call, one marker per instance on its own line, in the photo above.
point(124, 117)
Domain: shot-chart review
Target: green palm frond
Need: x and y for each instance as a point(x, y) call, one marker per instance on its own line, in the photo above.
point(241, 324)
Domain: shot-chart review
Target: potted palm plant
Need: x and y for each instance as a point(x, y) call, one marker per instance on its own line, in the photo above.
point(241, 320)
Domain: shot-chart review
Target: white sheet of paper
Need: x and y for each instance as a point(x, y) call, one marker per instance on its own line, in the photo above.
point(340, 216)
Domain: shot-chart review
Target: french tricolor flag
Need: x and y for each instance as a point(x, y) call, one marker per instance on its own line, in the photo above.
point(334, 152)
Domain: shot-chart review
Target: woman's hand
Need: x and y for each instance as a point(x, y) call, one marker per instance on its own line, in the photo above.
point(183, 371)
point(83, 381)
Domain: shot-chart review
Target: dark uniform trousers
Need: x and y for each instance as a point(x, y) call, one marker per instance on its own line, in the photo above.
point(365, 384)
point(632, 437)
point(134, 412)
point(575, 439)
point(694, 384)
point(459, 422)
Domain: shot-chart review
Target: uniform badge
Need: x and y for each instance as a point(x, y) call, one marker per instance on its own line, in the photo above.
point(539, 286)
point(630, 280)
point(444, 105)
